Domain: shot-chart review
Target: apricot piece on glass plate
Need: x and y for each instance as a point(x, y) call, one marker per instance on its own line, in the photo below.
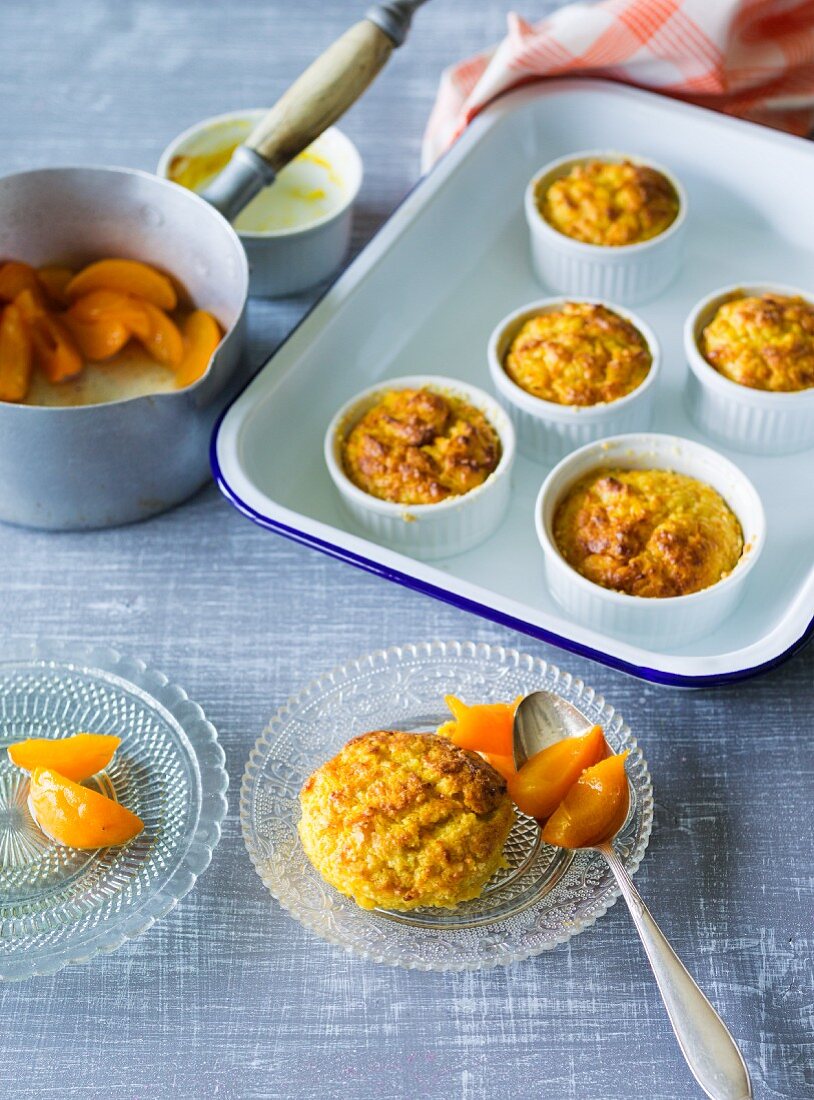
point(202, 334)
point(76, 816)
point(484, 727)
point(78, 757)
point(16, 355)
point(126, 276)
point(546, 778)
point(594, 809)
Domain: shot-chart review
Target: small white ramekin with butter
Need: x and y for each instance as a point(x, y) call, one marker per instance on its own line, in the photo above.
point(296, 232)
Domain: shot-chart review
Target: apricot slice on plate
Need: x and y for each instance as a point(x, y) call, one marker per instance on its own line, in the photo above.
point(503, 765)
point(202, 335)
point(78, 757)
point(126, 276)
point(546, 778)
point(16, 277)
point(54, 279)
point(484, 727)
point(77, 817)
point(16, 355)
point(595, 808)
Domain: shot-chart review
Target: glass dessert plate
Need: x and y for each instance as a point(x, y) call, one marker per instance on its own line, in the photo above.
point(60, 905)
point(543, 897)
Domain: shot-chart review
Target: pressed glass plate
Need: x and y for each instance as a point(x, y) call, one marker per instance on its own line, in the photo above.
point(60, 905)
point(543, 897)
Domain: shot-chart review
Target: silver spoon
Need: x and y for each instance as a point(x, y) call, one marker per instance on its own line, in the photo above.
point(710, 1051)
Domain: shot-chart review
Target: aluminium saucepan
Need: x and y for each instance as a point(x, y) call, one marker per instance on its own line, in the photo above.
point(72, 468)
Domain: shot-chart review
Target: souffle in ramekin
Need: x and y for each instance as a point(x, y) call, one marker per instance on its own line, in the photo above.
point(423, 464)
point(606, 224)
point(568, 372)
point(649, 537)
point(750, 350)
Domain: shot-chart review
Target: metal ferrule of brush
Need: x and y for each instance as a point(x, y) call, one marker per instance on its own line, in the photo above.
point(244, 176)
point(394, 17)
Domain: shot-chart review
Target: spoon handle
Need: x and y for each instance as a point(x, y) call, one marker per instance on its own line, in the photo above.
point(710, 1051)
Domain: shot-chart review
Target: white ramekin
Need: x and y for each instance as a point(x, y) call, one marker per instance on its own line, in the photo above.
point(283, 261)
point(751, 420)
point(545, 430)
point(668, 623)
point(628, 273)
point(425, 531)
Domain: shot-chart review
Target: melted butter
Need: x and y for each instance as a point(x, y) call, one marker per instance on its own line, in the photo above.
point(307, 190)
point(193, 172)
point(130, 373)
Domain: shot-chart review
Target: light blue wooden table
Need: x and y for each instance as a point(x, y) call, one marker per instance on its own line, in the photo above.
point(228, 997)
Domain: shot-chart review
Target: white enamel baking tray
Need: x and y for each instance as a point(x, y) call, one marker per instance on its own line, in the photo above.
point(424, 296)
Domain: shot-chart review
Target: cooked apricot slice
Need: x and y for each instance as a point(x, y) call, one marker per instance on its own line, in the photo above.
point(546, 778)
point(126, 276)
point(99, 304)
point(16, 277)
point(163, 340)
point(98, 340)
point(503, 765)
point(77, 757)
point(16, 355)
point(202, 335)
point(30, 304)
point(595, 808)
point(77, 817)
point(54, 280)
point(484, 727)
point(55, 350)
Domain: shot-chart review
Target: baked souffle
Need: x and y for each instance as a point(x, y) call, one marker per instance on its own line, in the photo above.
point(765, 342)
point(650, 533)
point(609, 203)
point(579, 354)
point(418, 446)
point(401, 820)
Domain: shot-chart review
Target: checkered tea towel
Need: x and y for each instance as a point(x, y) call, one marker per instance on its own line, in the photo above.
point(751, 58)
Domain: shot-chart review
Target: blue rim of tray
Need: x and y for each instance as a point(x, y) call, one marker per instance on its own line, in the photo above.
point(463, 603)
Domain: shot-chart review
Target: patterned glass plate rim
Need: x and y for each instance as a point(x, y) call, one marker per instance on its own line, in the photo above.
point(529, 909)
point(29, 954)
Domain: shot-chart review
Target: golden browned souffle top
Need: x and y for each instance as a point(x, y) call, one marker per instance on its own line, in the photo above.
point(647, 532)
point(405, 819)
point(420, 447)
point(580, 354)
point(765, 342)
point(610, 203)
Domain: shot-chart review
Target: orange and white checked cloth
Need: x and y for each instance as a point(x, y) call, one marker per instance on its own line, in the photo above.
point(751, 58)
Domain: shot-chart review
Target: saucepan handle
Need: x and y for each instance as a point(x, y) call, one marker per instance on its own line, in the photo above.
point(323, 93)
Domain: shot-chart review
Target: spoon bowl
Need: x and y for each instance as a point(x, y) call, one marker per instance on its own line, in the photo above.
point(541, 719)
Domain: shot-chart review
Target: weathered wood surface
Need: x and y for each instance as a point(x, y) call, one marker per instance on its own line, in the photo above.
point(227, 997)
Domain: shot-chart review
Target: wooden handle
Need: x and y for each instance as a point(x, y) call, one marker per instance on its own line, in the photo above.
point(321, 95)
